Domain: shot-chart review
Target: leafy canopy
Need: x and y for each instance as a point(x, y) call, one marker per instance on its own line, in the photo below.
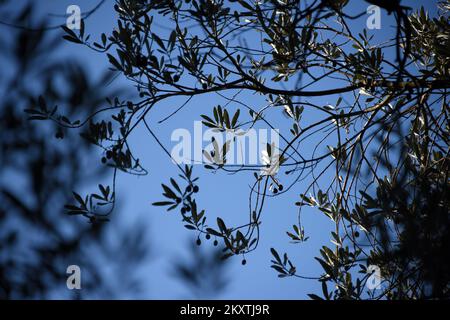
point(378, 168)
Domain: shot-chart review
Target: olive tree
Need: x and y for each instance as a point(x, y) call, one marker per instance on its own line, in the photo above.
point(378, 167)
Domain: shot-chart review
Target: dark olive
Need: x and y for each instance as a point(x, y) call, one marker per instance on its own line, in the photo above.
point(188, 189)
point(280, 187)
point(141, 61)
point(204, 86)
point(103, 160)
point(196, 188)
point(208, 236)
point(199, 242)
point(244, 262)
point(215, 242)
point(108, 154)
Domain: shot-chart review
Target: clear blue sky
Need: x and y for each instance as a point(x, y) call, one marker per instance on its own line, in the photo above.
point(168, 237)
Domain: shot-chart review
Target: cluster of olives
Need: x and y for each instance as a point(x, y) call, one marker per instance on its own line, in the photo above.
point(193, 188)
point(208, 236)
point(215, 243)
point(108, 156)
point(279, 187)
point(189, 189)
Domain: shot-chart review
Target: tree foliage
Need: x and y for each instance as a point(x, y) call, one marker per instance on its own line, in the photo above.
point(379, 166)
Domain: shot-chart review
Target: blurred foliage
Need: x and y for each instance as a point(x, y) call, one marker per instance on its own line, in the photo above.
point(204, 273)
point(40, 165)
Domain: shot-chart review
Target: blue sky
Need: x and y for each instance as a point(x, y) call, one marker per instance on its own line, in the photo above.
point(220, 194)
